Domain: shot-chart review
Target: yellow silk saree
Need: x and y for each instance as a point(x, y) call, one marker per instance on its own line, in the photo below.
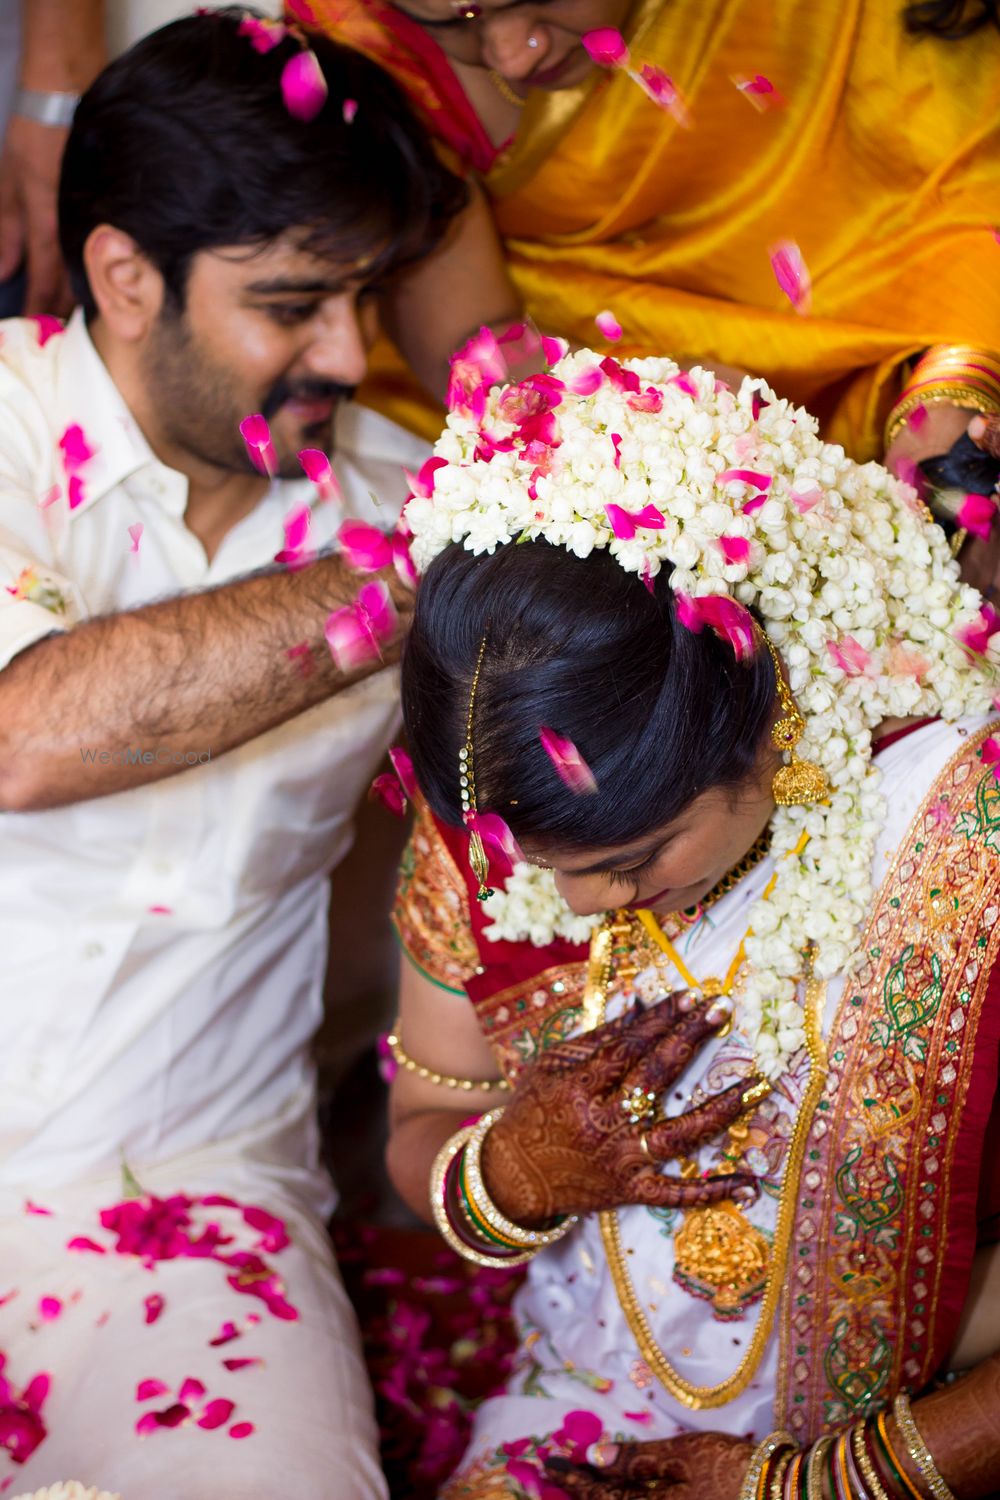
point(882, 165)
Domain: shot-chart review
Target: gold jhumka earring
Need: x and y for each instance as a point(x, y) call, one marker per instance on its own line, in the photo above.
point(478, 862)
point(800, 781)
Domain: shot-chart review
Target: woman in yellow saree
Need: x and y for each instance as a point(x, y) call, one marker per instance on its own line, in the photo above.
point(881, 163)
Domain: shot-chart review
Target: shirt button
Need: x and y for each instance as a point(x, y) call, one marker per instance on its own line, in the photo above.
point(93, 950)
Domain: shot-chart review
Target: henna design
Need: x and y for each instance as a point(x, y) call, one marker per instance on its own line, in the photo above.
point(564, 1145)
point(691, 1467)
point(989, 438)
point(961, 1427)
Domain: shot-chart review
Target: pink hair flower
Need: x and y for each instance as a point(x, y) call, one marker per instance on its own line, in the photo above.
point(625, 523)
point(850, 656)
point(609, 326)
point(317, 466)
point(365, 548)
point(569, 764)
point(976, 636)
point(606, 47)
point(792, 274)
point(303, 87)
point(264, 34)
point(257, 436)
point(735, 550)
point(725, 617)
point(977, 514)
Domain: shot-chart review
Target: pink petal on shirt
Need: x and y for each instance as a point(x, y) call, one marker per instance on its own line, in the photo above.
point(241, 1430)
point(303, 87)
point(47, 327)
point(49, 1309)
point(191, 1390)
point(49, 498)
point(150, 1390)
point(35, 1208)
point(242, 1364)
point(642, 1417)
point(318, 468)
point(745, 476)
point(225, 1335)
point(135, 536)
point(76, 449)
point(806, 500)
point(216, 1414)
point(161, 911)
point(735, 549)
point(976, 636)
point(977, 514)
point(153, 1305)
point(569, 764)
point(850, 656)
point(81, 1242)
point(257, 436)
point(499, 842)
point(660, 87)
point(365, 548)
point(727, 618)
point(75, 492)
point(792, 274)
point(554, 349)
point(172, 1416)
point(606, 47)
point(349, 110)
point(272, 1229)
point(609, 326)
point(402, 764)
point(263, 34)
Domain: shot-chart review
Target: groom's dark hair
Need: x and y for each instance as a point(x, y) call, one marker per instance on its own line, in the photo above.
point(185, 142)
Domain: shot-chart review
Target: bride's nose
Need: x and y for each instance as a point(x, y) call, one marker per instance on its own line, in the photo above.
point(585, 895)
point(513, 44)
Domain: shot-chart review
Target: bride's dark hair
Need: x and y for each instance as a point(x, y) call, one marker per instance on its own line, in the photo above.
point(582, 647)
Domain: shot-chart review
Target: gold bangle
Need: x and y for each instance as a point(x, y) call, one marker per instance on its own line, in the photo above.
point(439, 1208)
point(445, 1080)
point(814, 1468)
point(939, 395)
point(776, 1482)
point(514, 1234)
point(918, 1449)
point(876, 1488)
point(759, 1459)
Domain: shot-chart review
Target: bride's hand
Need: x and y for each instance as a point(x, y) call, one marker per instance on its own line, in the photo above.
point(695, 1466)
point(566, 1145)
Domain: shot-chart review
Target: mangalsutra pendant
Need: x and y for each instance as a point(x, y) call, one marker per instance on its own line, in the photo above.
point(718, 1254)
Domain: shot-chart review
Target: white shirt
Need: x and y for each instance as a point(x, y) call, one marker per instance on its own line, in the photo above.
point(162, 949)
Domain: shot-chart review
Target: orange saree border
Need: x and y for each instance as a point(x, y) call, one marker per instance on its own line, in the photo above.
point(888, 1192)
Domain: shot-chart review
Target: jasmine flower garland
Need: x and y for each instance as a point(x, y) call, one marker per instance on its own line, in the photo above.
point(736, 495)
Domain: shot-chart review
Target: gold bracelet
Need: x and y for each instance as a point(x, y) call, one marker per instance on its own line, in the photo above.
point(445, 1080)
point(514, 1234)
point(939, 395)
point(759, 1459)
point(814, 1468)
point(776, 1484)
point(439, 1208)
point(918, 1449)
point(876, 1488)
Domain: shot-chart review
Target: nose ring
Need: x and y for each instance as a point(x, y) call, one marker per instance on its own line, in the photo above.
point(532, 42)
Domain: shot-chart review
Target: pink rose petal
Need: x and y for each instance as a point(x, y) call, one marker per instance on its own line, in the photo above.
point(554, 349)
point(365, 548)
point(76, 449)
point(727, 618)
point(49, 1308)
point(263, 34)
point(660, 87)
point(151, 1390)
point(241, 1430)
point(609, 326)
point(735, 549)
point(917, 418)
point(356, 633)
point(191, 1390)
point(792, 274)
point(135, 536)
point(257, 436)
point(754, 504)
point(644, 1418)
point(81, 1242)
point(422, 483)
point(349, 110)
point(216, 1414)
point(498, 841)
point(570, 766)
point(303, 87)
point(386, 789)
point(990, 752)
point(297, 550)
point(976, 636)
point(76, 493)
point(36, 1208)
point(47, 327)
point(977, 514)
point(745, 476)
point(850, 656)
point(624, 523)
point(301, 655)
point(241, 1364)
point(172, 1416)
point(606, 47)
point(225, 1335)
point(317, 467)
point(906, 661)
point(153, 1305)
point(402, 764)
point(49, 498)
point(588, 382)
point(806, 500)
point(682, 380)
point(650, 399)
point(759, 91)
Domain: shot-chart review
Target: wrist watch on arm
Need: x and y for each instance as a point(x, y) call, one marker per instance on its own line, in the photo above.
point(45, 108)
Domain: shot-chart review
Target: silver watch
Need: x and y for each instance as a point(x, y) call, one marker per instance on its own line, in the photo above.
point(46, 108)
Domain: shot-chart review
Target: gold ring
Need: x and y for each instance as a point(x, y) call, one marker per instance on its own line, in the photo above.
point(639, 1104)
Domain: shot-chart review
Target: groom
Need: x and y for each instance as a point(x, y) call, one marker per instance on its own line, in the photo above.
point(179, 760)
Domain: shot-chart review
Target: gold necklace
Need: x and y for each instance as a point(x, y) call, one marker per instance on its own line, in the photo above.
point(753, 1269)
point(504, 89)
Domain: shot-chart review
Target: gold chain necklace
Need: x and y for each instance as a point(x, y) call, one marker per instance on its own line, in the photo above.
point(504, 89)
point(706, 1228)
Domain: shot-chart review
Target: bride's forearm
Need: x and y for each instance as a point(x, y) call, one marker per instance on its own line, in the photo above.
point(960, 1425)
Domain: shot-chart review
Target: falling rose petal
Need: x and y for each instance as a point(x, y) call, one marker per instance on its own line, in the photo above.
point(735, 549)
point(317, 467)
point(387, 1067)
point(590, 381)
point(216, 1414)
point(917, 419)
point(606, 47)
point(625, 523)
point(648, 577)
point(619, 377)
point(792, 274)
point(569, 764)
point(497, 839)
point(161, 911)
point(727, 618)
point(263, 34)
point(609, 326)
point(242, 1364)
point(76, 493)
point(151, 1390)
point(806, 500)
point(242, 1430)
point(660, 87)
point(375, 602)
point(977, 514)
point(402, 764)
point(81, 1242)
point(759, 91)
point(682, 380)
point(350, 642)
point(349, 110)
point(297, 527)
point(402, 558)
point(153, 1305)
point(47, 327)
point(225, 1335)
point(49, 1309)
point(191, 1390)
point(554, 349)
point(745, 476)
point(990, 752)
point(303, 87)
point(976, 636)
point(135, 536)
point(365, 548)
point(257, 436)
point(76, 450)
point(384, 1276)
point(850, 656)
point(36, 1208)
point(387, 789)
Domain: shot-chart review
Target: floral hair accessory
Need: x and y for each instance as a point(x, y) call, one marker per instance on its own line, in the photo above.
point(843, 566)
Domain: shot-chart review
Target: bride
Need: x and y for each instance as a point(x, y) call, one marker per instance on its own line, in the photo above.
point(702, 1021)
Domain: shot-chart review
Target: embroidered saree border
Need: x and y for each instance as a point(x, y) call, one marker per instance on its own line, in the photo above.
point(861, 1316)
point(431, 912)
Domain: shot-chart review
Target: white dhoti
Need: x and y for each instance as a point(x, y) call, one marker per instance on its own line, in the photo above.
point(301, 1419)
